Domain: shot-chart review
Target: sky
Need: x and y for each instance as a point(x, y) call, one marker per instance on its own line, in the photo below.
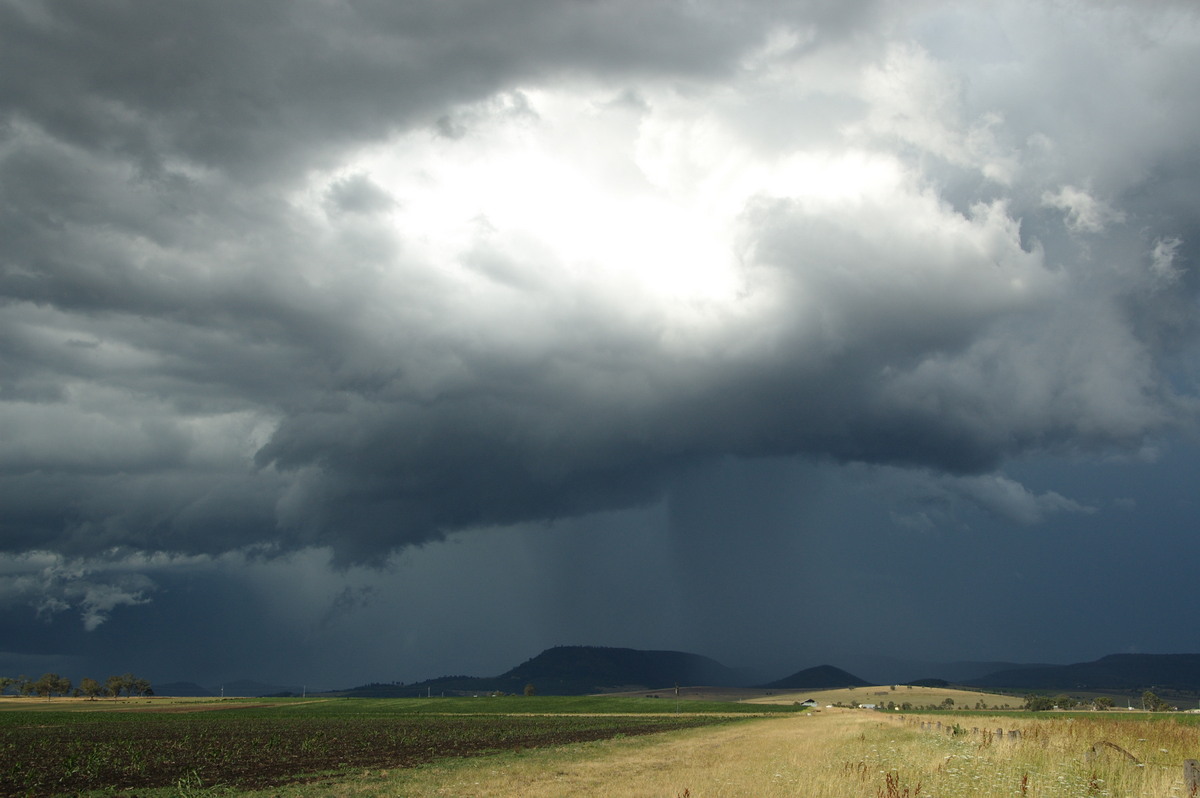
point(375, 341)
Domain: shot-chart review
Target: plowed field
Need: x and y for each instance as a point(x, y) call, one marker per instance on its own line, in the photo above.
point(43, 753)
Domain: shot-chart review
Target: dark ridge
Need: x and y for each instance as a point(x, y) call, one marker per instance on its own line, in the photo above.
point(1114, 672)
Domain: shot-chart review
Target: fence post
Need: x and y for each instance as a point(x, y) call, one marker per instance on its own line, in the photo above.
point(1191, 776)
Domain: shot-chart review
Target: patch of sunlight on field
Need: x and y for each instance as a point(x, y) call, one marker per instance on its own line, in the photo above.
point(880, 695)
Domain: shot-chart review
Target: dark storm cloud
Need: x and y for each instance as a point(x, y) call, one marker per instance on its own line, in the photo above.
point(274, 88)
point(355, 275)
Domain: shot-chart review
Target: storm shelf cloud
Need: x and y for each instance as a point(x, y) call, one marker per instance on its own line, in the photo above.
point(380, 284)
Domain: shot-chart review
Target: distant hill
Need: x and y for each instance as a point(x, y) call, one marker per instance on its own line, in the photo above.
point(962, 672)
point(820, 676)
point(577, 670)
point(252, 689)
point(591, 669)
point(175, 689)
point(241, 688)
point(891, 670)
point(1114, 672)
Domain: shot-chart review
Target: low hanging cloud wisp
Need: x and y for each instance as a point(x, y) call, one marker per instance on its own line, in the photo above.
point(52, 584)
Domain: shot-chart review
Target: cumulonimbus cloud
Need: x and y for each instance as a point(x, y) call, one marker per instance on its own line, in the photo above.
point(469, 283)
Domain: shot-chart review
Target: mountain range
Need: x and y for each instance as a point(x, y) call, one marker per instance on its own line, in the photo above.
point(575, 670)
point(580, 670)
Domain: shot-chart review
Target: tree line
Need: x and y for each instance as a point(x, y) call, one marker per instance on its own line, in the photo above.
point(1039, 703)
point(51, 684)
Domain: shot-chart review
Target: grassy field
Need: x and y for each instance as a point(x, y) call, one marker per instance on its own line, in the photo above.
point(828, 754)
point(609, 746)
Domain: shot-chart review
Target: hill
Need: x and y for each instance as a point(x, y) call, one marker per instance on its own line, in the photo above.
point(820, 676)
point(577, 670)
point(176, 689)
point(569, 669)
point(892, 670)
point(1129, 672)
point(253, 689)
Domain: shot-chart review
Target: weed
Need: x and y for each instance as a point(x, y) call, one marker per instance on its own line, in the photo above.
point(891, 787)
point(860, 769)
point(189, 785)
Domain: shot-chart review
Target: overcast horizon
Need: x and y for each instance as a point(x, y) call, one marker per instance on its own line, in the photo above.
point(345, 341)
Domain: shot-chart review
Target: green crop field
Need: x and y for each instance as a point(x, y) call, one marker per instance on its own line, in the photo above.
point(67, 746)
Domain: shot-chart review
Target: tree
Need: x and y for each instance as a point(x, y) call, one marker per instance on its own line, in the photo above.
point(1102, 702)
point(530, 689)
point(113, 685)
point(52, 684)
point(5, 683)
point(1153, 703)
point(1038, 703)
point(46, 684)
point(1064, 701)
point(90, 687)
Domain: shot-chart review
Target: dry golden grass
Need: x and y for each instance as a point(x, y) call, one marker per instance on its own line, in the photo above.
point(1055, 757)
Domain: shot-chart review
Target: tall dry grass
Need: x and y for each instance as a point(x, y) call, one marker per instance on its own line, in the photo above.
point(1052, 758)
